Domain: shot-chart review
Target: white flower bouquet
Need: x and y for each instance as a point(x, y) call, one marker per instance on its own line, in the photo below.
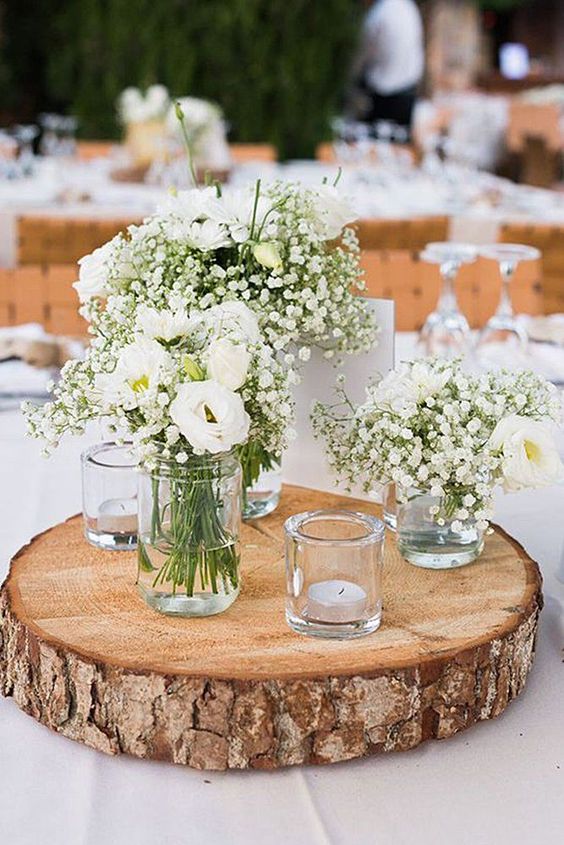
point(200, 318)
point(273, 250)
point(144, 118)
point(179, 385)
point(430, 426)
point(134, 106)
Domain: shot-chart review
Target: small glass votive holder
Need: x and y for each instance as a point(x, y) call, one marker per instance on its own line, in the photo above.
point(334, 563)
point(109, 496)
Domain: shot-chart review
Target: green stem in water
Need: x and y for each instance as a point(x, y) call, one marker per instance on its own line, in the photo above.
point(200, 552)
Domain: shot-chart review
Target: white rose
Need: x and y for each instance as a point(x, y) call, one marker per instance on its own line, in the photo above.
point(93, 274)
point(163, 325)
point(210, 416)
point(268, 255)
point(228, 363)
point(234, 316)
point(529, 456)
point(333, 212)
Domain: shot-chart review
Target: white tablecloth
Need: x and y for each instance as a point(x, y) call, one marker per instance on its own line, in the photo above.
point(499, 782)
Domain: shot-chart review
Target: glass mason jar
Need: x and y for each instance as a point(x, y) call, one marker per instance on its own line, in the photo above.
point(189, 523)
point(334, 565)
point(423, 542)
point(109, 496)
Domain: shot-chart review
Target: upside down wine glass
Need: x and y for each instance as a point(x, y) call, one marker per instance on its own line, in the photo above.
point(446, 330)
point(503, 328)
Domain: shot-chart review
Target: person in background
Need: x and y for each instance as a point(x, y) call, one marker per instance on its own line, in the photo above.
point(390, 63)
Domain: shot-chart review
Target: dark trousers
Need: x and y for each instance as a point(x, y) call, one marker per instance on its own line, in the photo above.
point(397, 107)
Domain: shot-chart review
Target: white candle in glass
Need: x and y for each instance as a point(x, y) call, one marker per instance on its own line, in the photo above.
point(118, 516)
point(336, 601)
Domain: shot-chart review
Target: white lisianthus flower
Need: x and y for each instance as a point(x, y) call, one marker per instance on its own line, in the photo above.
point(138, 372)
point(228, 363)
point(211, 417)
point(163, 325)
point(233, 316)
point(268, 255)
point(93, 274)
point(333, 211)
point(529, 456)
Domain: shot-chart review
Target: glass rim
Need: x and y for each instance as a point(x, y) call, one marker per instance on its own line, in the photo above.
point(509, 252)
point(448, 252)
point(164, 466)
point(373, 526)
point(91, 455)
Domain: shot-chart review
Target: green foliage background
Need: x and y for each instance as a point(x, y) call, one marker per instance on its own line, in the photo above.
point(277, 67)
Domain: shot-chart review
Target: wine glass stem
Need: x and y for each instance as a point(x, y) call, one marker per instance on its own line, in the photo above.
point(447, 300)
point(505, 308)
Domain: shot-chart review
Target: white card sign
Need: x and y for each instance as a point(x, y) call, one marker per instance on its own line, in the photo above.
point(305, 463)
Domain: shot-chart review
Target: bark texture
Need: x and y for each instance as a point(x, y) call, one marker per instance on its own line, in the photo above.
point(292, 708)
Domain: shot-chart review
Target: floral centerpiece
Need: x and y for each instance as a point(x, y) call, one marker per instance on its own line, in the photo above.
point(273, 249)
point(447, 439)
point(144, 117)
point(200, 319)
point(186, 388)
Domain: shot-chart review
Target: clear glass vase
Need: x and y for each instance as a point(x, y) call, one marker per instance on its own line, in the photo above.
point(262, 497)
point(262, 480)
point(424, 542)
point(189, 523)
point(390, 506)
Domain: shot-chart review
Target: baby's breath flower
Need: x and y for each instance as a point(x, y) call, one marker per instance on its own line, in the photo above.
point(438, 443)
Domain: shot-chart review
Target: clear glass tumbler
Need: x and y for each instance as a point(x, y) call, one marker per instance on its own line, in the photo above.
point(109, 496)
point(334, 563)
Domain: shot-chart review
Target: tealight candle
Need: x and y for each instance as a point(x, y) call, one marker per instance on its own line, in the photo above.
point(336, 601)
point(118, 516)
point(334, 573)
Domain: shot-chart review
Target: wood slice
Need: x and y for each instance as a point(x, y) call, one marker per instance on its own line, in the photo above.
point(83, 654)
